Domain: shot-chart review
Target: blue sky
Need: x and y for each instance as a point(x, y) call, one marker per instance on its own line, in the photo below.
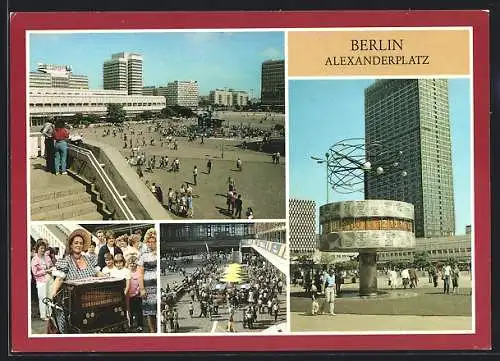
point(323, 112)
point(214, 59)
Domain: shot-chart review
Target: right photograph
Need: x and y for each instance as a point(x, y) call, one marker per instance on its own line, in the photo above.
point(380, 214)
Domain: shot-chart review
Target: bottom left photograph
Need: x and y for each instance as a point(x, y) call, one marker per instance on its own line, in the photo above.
point(93, 278)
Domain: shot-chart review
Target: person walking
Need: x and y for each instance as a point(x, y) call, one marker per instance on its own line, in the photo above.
point(190, 210)
point(454, 278)
point(330, 290)
point(195, 175)
point(435, 276)
point(446, 278)
point(209, 166)
point(239, 206)
point(405, 277)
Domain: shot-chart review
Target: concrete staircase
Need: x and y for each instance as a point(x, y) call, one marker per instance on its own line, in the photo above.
point(56, 230)
point(71, 202)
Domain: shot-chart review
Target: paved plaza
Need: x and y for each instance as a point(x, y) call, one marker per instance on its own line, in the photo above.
point(424, 308)
point(261, 183)
point(219, 322)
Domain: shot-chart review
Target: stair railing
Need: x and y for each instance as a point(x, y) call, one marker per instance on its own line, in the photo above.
point(117, 198)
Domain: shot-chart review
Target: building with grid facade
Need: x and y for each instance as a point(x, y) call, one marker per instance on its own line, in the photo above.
point(183, 93)
point(271, 231)
point(228, 98)
point(203, 232)
point(57, 76)
point(273, 83)
point(123, 72)
point(302, 223)
point(412, 116)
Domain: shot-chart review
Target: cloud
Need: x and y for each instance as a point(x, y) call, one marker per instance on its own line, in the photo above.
point(271, 53)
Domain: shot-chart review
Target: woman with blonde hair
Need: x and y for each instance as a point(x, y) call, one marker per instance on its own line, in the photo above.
point(147, 283)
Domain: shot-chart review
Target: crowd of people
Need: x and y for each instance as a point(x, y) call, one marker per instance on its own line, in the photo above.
point(130, 257)
point(164, 133)
point(408, 277)
point(210, 296)
point(329, 282)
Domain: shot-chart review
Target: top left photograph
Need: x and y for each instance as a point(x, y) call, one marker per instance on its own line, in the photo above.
point(156, 125)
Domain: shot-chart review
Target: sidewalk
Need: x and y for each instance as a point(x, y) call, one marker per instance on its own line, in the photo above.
point(373, 323)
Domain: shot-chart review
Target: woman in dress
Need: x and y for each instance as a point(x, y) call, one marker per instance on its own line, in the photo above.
point(74, 265)
point(147, 269)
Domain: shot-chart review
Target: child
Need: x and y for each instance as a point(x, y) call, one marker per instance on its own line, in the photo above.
point(314, 297)
point(119, 271)
point(110, 264)
point(91, 249)
point(134, 294)
point(191, 309)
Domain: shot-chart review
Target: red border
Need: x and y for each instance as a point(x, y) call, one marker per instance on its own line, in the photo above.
point(20, 22)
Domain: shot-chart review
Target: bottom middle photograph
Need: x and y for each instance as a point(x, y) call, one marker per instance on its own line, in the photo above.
point(224, 277)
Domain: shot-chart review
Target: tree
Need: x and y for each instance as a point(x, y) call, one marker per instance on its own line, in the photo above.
point(421, 259)
point(147, 114)
point(116, 113)
point(452, 261)
point(326, 258)
point(279, 127)
point(203, 102)
point(167, 112)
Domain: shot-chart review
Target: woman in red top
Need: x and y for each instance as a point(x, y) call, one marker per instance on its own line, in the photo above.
point(61, 136)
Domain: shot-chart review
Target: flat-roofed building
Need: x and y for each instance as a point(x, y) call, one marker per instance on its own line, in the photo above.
point(149, 90)
point(228, 97)
point(184, 93)
point(45, 102)
point(438, 249)
point(57, 76)
point(123, 72)
point(273, 82)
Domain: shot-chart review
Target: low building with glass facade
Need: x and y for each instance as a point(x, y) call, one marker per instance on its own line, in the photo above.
point(45, 102)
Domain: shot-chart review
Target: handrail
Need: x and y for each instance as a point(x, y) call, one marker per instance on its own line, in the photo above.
point(106, 181)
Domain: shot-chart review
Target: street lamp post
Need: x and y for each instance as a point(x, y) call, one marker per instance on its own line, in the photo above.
point(326, 162)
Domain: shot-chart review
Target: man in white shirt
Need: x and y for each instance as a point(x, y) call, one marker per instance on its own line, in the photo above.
point(101, 240)
point(446, 278)
point(329, 279)
point(405, 276)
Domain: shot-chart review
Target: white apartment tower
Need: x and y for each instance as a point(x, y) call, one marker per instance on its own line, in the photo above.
point(123, 72)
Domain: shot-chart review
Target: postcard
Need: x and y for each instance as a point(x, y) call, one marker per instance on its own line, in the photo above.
point(250, 181)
